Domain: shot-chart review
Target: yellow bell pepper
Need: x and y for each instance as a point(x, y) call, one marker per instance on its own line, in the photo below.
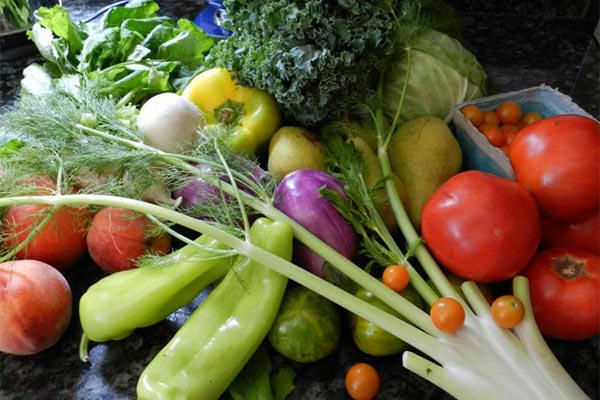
point(251, 114)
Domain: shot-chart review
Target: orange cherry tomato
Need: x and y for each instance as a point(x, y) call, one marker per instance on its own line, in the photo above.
point(473, 114)
point(509, 112)
point(362, 382)
point(490, 116)
point(509, 128)
point(395, 277)
point(493, 134)
point(531, 117)
point(508, 311)
point(509, 137)
point(447, 314)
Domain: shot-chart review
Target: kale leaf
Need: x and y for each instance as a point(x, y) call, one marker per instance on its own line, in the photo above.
point(318, 58)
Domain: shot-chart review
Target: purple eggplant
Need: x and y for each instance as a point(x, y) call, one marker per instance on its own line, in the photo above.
point(199, 191)
point(297, 196)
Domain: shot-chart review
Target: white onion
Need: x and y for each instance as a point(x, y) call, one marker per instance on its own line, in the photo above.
point(169, 122)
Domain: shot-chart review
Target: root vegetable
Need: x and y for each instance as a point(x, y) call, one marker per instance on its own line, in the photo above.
point(169, 122)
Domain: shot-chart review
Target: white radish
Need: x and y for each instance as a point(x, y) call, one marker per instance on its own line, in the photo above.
point(170, 123)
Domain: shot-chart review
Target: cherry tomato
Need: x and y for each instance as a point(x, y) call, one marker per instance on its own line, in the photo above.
point(558, 160)
point(490, 116)
point(395, 277)
point(531, 117)
point(509, 112)
point(508, 311)
point(362, 381)
point(509, 136)
point(493, 134)
point(564, 287)
point(509, 128)
point(447, 314)
point(481, 227)
point(473, 114)
point(584, 234)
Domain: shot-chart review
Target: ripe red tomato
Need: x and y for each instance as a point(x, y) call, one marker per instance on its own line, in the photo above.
point(558, 160)
point(564, 288)
point(584, 234)
point(481, 227)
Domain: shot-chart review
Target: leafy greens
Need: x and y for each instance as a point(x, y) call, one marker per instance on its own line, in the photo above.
point(314, 57)
point(320, 59)
point(430, 76)
point(132, 50)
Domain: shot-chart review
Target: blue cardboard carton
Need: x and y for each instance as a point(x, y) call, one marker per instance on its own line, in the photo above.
point(478, 152)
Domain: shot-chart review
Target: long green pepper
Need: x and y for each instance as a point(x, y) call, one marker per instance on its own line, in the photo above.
point(116, 305)
point(218, 339)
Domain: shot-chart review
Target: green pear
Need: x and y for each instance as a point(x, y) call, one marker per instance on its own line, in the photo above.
point(292, 148)
point(373, 180)
point(424, 153)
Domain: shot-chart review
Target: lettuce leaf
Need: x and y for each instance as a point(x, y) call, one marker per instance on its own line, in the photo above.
point(132, 50)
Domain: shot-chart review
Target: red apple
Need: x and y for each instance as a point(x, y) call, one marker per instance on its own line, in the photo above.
point(35, 306)
point(119, 237)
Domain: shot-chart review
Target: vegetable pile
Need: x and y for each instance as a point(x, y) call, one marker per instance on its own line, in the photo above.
point(166, 185)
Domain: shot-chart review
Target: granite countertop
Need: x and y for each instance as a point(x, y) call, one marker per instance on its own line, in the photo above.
point(537, 42)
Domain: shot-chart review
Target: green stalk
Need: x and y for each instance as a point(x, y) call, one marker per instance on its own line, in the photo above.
point(412, 335)
point(37, 227)
point(460, 355)
point(345, 266)
point(537, 348)
point(469, 370)
point(411, 236)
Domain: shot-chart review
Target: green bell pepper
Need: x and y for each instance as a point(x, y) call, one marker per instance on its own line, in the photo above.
point(113, 307)
point(218, 339)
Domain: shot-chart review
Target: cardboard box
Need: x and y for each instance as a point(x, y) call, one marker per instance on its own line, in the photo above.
point(479, 153)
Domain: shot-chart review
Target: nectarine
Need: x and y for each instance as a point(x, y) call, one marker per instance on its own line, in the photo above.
point(59, 242)
point(119, 237)
point(35, 306)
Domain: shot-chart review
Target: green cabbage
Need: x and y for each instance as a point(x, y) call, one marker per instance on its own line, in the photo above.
point(436, 73)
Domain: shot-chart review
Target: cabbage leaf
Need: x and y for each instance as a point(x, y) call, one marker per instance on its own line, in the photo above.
point(430, 76)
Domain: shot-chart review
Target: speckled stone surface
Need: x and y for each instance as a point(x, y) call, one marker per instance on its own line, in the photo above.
point(519, 43)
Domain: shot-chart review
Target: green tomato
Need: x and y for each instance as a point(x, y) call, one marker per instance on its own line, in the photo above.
point(307, 328)
point(370, 338)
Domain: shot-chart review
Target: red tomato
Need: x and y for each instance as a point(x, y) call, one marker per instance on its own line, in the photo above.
point(481, 227)
point(558, 160)
point(584, 234)
point(565, 291)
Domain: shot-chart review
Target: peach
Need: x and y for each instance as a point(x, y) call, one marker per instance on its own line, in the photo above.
point(35, 306)
point(119, 237)
point(59, 242)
